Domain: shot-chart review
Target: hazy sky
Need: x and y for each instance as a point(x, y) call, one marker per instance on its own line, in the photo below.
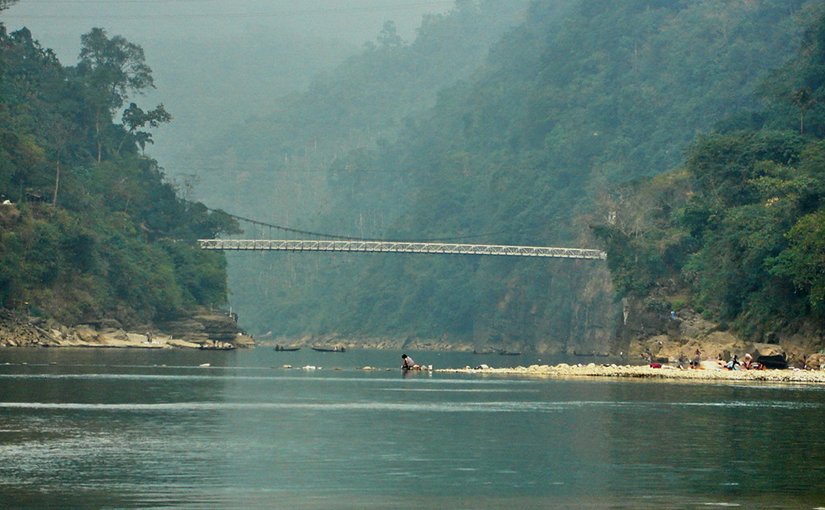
point(58, 24)
point(216, 62)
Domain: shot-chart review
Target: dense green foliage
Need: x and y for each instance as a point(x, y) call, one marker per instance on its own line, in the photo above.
point(89, 228)
point(576, 99)
point(747, 217)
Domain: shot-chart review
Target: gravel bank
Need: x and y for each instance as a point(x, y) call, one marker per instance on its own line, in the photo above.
point(708, 373)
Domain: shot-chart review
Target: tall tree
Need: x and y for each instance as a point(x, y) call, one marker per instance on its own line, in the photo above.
point(135, 118)
point(111, 69)
point(803, 99)
point(389, 38)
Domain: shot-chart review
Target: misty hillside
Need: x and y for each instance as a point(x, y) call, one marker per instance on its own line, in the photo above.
point(363, 100)
point(577, 98)
point(213, 80)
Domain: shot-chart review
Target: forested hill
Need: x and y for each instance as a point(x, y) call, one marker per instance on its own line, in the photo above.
point(738, 232)
point(576, 99)
point(567, 106)
point(89, 228)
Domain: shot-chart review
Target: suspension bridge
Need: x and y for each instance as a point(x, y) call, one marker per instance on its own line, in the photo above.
point(337, 243)
point(398, 247)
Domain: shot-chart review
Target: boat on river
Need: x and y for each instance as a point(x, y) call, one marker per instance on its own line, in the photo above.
point(501, 352)
point(330, 349)
point(286, 349)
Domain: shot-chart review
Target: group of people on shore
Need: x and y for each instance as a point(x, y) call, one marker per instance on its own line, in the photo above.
point(733, 363)
point(746, 364)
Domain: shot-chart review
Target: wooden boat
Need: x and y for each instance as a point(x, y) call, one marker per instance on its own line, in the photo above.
point(593, 354)
point(329, 349)
point(498, 351)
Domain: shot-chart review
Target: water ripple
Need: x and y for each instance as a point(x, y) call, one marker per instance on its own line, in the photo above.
point(516, 406)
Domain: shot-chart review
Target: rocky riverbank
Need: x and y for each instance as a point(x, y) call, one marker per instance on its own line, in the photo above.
point(668, 337)
point(709, 372)
point(203, 330)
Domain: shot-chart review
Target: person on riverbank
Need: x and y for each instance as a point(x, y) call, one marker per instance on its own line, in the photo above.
point(747, 362)
point(697, 359)
point(733, 364)
point(407, 363)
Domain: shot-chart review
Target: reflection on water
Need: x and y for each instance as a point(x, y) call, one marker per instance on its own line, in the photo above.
point(135, 429)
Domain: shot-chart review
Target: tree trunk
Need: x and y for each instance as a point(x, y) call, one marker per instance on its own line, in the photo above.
point(56, 183)
point(97, 135)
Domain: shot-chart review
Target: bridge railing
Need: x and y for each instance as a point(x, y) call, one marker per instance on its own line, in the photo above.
point(398, 247)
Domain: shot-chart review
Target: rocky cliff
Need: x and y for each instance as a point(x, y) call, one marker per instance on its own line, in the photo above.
point(650, 328)
point(205, 329)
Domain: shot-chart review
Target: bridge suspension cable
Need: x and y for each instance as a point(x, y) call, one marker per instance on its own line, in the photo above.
point(357, 238)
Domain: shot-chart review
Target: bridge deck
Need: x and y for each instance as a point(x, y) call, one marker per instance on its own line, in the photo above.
point(398, 247)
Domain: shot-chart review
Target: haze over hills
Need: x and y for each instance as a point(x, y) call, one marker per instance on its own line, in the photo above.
point(217, 62)
point(536, 123)
point(574, 99)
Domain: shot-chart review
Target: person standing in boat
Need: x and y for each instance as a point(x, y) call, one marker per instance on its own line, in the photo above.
point(407, 363)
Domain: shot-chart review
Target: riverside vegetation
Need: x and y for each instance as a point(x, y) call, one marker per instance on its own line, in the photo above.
point(682, 137)
point(90, 231)
point(734, 238)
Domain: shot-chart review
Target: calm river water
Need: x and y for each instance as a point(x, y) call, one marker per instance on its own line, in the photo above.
point(134, 428)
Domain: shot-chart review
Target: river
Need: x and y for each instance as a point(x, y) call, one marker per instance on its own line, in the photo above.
point(142, 428)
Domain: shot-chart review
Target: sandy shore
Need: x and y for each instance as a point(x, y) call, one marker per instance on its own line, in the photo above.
point(709, 372)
